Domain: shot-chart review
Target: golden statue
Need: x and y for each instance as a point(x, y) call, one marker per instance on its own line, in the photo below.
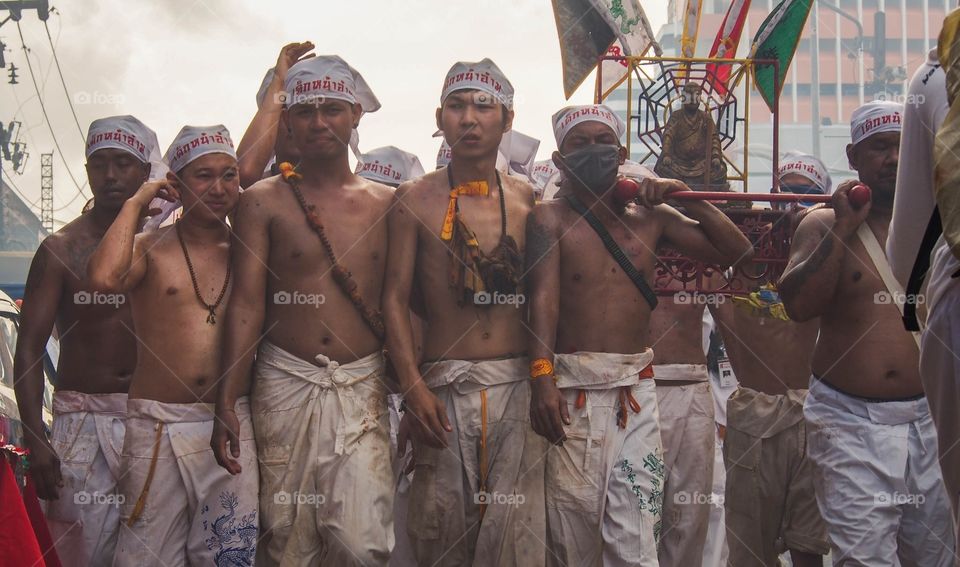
point(691, 147)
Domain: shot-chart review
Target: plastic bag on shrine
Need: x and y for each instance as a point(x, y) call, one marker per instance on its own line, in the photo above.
point(946, 149)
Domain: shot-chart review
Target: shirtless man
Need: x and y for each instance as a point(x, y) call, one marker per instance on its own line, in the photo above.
point(267, 141)
point(175, 497)
point(77, 469)
point(687, 425)
point(770, 506)
point(871, 438)
point(457, 234)
point(604, 479)
point(319, 398)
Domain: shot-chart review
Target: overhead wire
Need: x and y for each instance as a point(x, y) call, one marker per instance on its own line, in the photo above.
point(46, 116)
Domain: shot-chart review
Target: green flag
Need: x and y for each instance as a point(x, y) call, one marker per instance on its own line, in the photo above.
point(777, 39)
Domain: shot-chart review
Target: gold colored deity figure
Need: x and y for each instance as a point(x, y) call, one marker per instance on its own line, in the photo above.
point(691, 147)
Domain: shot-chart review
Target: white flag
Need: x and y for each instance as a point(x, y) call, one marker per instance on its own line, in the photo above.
point(634, 37)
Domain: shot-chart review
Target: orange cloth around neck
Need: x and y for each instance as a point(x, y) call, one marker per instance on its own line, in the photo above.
point(470, 189)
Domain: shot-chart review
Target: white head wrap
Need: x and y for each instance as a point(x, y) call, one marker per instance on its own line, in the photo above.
point(483, 76)
point(329, 76)
point(807, 166)
point(123, 133)
point(389, 165)
point(566, 118)
point(195, 141)
point(875, 117)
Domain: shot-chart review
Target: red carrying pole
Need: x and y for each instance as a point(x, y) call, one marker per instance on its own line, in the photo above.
point(730, 196)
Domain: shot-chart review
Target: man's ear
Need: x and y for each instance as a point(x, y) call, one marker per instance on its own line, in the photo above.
point(175, 181)
point(285, 119)
point(438, 114)
point(507, 120)
point(147, 168)
point(623, 154)
point(852, 157)
point(558, 161)
point(357, 113)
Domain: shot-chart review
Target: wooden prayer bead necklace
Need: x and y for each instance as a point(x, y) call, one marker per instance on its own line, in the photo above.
point(211, 308)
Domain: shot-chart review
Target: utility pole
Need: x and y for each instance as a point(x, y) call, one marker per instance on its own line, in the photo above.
point(17, 153)
point(815, 80)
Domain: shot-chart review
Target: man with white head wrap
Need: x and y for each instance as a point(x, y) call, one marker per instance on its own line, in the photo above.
point(308, 281)
point(770, 505)
point(589, 314)
point(179, 507)
point(76, 470)
point(389, 165)
point(266, 142)
point(870, 434)
point(457, 235)
point(803, 174)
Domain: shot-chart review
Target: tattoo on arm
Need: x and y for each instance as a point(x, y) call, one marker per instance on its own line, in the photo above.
point(539, 242)
point(809, 266)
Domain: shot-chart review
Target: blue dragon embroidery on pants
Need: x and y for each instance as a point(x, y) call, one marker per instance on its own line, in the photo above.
point(234, 539)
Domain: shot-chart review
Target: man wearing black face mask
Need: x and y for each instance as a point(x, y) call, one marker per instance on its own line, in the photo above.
point(590, 315)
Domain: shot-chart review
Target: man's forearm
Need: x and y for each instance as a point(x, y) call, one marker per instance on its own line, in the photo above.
point(809, 286)
point(722, 232)
point(28, 387)
point(240, 346)
point(112, 259)
point(400, 344)
point(259, 141)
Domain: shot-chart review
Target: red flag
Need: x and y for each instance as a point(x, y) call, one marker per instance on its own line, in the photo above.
point(40, 527)
point(725, 44)
point(18, 543)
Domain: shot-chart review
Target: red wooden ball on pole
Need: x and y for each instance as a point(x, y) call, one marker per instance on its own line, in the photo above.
point(859, 196)
point(626, 190)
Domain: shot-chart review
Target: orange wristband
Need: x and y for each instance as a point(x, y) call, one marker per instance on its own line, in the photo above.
point(540, 367)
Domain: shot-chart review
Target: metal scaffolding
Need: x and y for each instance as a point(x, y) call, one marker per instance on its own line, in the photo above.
point(46, 191)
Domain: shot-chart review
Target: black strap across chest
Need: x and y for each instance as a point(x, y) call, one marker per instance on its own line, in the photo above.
point(636, 276)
